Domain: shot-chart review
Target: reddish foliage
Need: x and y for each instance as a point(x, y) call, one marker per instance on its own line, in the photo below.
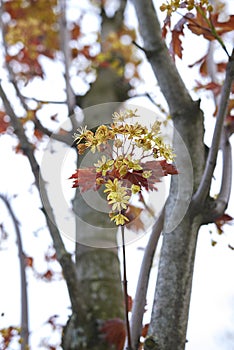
point(222, 220)
point(133, 214)
point(114, 332)
point(145, 330)
point(38, 134)
point(28, 260)
point(85, 179)
point(212, 86)
point(178, 30)
point(222, 27)
point(3, 123)
point(48, 275)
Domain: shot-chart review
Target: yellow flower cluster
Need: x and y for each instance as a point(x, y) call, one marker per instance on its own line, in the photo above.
point(118, 198)
point(173, 5)
point(126, 145)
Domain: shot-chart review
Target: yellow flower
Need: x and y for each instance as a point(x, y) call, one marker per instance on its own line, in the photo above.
point(118, 117)
point(135, 130)
point(146, 174)
point(103, 134)
point(124, 164)
point(135, 189)
point(119, 200)
point(104, 165)
point(81, 134)
point(117, 196)
point(112, 186)
point(155, 128)
point(118, 143)
point(119, 219)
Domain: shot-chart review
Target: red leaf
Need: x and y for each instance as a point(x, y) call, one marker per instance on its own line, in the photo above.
point(178, 30)
point(222, 27)
point(28, 260)
point(38, 134)
point(214, 87)
point(48, 275)
point(75, 32)
point(222, 220)
point(114, 332)
point(85, 179)
point(199, 26)
point(144, 331)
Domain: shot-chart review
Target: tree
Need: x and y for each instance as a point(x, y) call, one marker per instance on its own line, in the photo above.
point(107, 63)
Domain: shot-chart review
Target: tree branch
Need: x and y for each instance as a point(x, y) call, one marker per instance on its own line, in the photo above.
point(204, 187)
point(64, 138)
point(143, 281)
point(157, 53)
point(63, 256)
point(61, 138)
point(24, 297)
point(221, 203)
point(226, 184)
point(64, 45)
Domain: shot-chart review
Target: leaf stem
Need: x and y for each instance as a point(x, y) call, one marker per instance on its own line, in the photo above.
point(125, 286)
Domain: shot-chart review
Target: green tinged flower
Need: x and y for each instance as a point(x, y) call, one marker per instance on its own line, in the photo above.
point(104, 165)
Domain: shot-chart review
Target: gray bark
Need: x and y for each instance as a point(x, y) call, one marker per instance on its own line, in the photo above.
point(168, 325)
point(97, 263)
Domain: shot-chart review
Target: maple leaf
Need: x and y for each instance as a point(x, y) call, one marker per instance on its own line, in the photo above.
point(210, 27)
point(85, 179)
point(168, 168)
point(114, 332)
point(213, 86)
point(222, 27)
point(178, 30)
point(200, 26)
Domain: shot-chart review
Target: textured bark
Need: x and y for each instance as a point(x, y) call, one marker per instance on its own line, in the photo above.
point(174, 280)
point(168, 325)
point(98, 270)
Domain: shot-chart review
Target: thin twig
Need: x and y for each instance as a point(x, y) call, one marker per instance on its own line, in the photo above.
point(143, 280)
point(204, 187)
point(125, 283)
point(222, 200)
point(24, 297)
point(64, 45)
point(63, 256)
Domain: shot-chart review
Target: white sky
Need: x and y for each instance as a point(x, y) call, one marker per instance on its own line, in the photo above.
point(211, 316)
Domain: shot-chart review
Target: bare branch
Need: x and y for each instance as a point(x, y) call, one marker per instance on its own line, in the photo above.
point(64, 45)
point(63, 256)
point(37, 123)
point(204, 187)
point(157, 53)
point(24, 297)
point(222, 200)
point(226, 184)
point(64, 138)
point(143, 280)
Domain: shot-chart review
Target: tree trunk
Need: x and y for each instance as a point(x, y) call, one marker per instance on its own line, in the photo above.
point(174, 281)
point(98, 270)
